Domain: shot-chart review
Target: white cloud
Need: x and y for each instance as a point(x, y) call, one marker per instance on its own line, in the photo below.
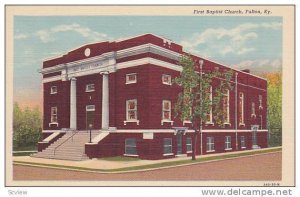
point(226, 41)
point(20, 36)
point(44, 36)
point(260, 66)
point(48, 35)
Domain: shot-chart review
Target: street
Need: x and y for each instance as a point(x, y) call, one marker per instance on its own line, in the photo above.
point(258, 167)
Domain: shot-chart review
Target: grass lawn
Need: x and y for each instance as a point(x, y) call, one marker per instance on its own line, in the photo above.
point(25, 148)
point(158, 165)
point(119, 158)
point(23, 153)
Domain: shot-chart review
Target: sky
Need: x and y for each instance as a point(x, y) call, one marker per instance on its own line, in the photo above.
point(254, 43)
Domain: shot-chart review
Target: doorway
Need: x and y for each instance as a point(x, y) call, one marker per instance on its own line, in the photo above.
point(254, 129)
point(90, 116)
point(179, 143)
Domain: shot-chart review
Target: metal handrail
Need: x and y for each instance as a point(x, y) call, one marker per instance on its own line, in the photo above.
point(66, 140)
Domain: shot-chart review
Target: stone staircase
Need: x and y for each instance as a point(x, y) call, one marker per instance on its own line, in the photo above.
point(69, 147)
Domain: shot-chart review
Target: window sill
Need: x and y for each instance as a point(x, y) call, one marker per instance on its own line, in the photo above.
point(189, 151)
point(90, 91)
point(132, 82)
point(53, 93)
point(133, 121)
point(168, 154)
point(260, 107)
point(242, 124)
point(169, 84)
point(210, 123)
point(253, 115)
point(53, 123)
point(210, 151)
point(167, 121)
point(227, 123)
point(129, 155)
point(243, 147)
point(186, 122)
point(228, 149)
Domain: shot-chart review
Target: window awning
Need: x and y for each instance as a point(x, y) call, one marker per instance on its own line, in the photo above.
point(180, 130)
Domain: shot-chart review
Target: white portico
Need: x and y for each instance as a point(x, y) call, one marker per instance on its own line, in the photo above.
point(102, 66)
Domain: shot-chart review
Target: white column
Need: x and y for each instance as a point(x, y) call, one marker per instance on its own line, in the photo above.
point(105, 101)
point(73, 111)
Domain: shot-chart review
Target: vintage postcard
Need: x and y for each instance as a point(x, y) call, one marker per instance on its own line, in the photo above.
point(150, 95)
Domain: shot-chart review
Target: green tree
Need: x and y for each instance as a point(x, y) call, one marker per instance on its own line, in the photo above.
point(194, 102)
point(26, 126)
point(274, 107)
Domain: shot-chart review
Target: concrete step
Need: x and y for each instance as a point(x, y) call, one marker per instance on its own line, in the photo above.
point(79, 158)
point(67, 147)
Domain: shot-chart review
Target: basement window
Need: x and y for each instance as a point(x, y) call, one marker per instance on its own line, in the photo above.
point(130, 147)
point(228, 143)
point(189, 145)
point(168, 146)
point(210, 146)
point(243, 142)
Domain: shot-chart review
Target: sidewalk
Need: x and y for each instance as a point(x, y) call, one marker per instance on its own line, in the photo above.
point(101, 164)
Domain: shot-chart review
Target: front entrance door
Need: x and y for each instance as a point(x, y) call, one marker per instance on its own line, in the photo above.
point(179, 143)
point(90, 116)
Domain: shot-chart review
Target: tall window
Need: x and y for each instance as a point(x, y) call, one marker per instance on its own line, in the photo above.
point(168, 146)
point(53, 90)
point(166, 79)
point(130, 146)
point(131, 109)
point(243, 142)
point(210, 145)
point(188, 119)
point(131, 78)
point(189, 115)
point(209, 114)
point(188, 144)
point(260, 101)
point(241, 108)
point(53, 114)
point(166, 110)
point(90, 87)
point(227, 142)
point(253, 110)
point(226, 107)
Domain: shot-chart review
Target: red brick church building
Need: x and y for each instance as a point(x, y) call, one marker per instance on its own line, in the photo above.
point(123, 92)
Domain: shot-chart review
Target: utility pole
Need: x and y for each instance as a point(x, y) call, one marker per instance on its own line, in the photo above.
point(200, 129)
point(236, 116)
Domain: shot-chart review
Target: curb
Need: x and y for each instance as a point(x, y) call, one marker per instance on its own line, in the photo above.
point(93, 170)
